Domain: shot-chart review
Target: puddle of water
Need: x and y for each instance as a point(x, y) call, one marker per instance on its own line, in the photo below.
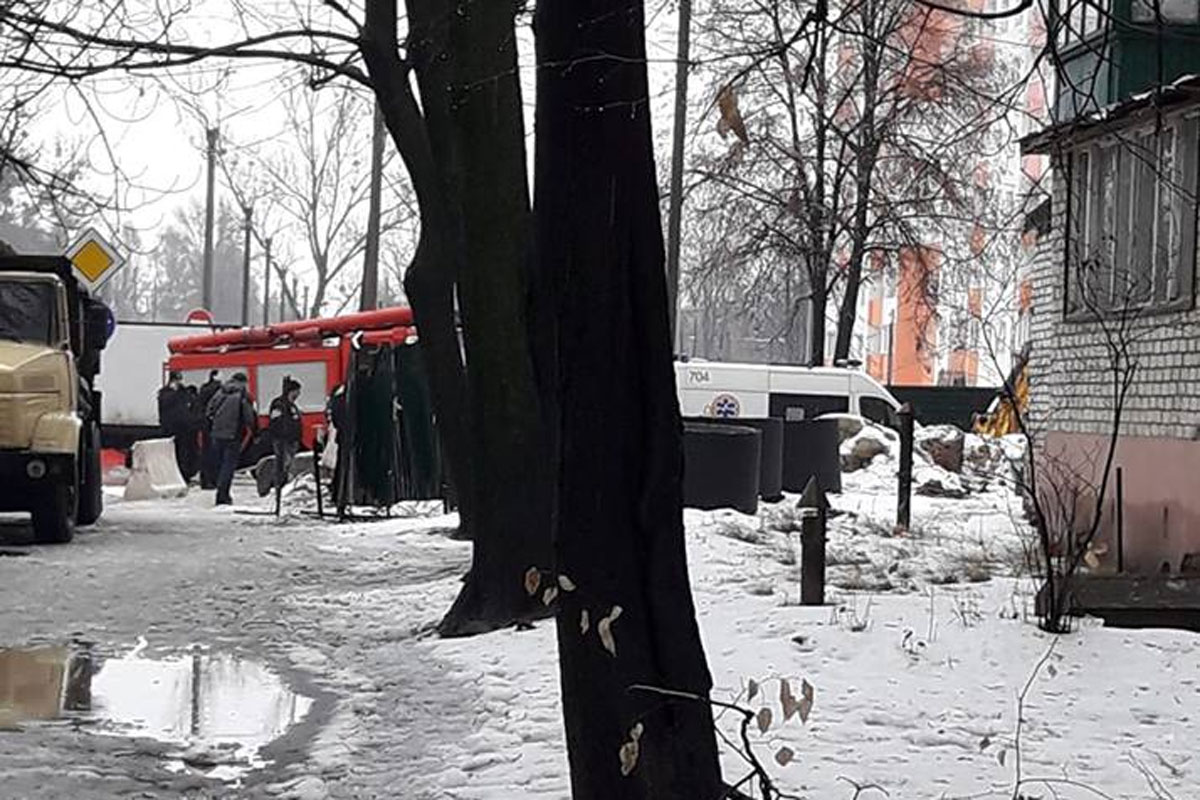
point(221, 710)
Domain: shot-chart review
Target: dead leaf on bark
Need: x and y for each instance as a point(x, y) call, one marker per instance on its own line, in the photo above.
point(585, 622)
point(533, 580)
point(629, 757)
point(785, 756)
point(764, 719)
point(630, 750)
point(604, 629)
point(566, 584)
point(549, 595)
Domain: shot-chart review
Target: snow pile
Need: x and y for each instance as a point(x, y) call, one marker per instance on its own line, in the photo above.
point(860, 448)
point(946, 461)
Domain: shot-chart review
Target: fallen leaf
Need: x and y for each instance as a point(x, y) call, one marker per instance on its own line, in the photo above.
point(751, 690)
point(636, 731)
point(731, 117)
point(806, 700)
point(985, 743)
point(787, 700)
point(549, 595)
point(785, 756)
point(533, 580)
point(1001, 756)
point(764, 719)
point(584, 622)
point(566, 584)
point(1091, 559)
point(1052, 670)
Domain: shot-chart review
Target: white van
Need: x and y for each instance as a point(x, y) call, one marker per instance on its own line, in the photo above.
point(718, 389)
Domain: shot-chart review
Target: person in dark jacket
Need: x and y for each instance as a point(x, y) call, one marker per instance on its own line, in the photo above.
point(209, 458)
point(174, 417)
point(337, 413)
point(230, 415)
point(284, 429)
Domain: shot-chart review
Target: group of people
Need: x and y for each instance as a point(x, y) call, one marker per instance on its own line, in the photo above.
point(211, 425)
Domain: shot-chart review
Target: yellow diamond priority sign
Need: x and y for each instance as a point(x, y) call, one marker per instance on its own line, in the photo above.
point(95, 260)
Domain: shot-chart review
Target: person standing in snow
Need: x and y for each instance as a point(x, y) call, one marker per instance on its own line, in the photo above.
point(230, 414)
point(284, 429)
point(209, 459)
point(173, 418)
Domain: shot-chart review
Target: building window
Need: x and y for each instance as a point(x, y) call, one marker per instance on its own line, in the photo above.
point(1132, 217)
point(1080, 20)
point(1170, 12)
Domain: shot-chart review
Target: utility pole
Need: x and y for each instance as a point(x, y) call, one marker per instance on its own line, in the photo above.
point(212, 135)
point(675, 214)
point(246, 267)
point(370, 281)
point(267, 288)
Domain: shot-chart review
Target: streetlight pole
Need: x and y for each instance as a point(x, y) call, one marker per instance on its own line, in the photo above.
point(675, 213)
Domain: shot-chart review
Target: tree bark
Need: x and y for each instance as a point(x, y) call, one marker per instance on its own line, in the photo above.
point(466, 143)
point(488, 178)
point(608, 379)
point(867, 157)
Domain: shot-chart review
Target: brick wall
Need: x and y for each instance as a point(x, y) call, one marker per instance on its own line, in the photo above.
point(1070, 389)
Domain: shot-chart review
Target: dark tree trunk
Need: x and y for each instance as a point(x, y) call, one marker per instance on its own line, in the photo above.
point(608, 376)
point(510, 502)
point(867, 157)
point(818, 281)
point(466, 143)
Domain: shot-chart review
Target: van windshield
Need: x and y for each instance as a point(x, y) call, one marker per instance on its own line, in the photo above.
point(27, 311)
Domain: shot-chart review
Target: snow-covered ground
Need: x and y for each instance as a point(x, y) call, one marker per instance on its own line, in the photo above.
point(916, 663)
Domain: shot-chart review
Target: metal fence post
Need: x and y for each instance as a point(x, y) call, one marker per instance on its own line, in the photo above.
point(904, 501)
point(812, 507)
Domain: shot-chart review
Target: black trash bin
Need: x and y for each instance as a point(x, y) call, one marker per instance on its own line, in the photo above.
point(770, 464)
point(811, 448)
point(720, 466)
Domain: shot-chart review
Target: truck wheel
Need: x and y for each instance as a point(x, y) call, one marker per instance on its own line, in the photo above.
point(91, 484)
point(54, 516)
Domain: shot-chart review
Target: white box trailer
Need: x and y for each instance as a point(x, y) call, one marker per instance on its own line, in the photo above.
point(133, 371)
point(721, 389)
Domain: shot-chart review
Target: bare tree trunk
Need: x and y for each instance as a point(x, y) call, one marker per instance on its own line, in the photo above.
point(465, 154)
point(608, 378)
point(488, 177)
point(369, 298)
point(867, 156)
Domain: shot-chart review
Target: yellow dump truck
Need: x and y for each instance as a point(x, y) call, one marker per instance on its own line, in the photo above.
point(51, 336)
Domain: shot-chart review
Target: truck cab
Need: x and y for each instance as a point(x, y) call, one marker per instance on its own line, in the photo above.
point(51, 334)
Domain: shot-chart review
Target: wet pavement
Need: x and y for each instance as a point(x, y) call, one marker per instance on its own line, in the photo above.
point(219, 709)
point(177, 651)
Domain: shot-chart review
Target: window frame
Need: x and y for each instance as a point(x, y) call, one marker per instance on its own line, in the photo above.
point(1079, 233)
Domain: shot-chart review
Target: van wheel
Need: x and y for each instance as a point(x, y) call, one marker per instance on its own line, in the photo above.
point(91, 484)
point(54, 516)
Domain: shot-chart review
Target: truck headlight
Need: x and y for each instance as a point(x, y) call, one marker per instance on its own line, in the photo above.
point(36, 469)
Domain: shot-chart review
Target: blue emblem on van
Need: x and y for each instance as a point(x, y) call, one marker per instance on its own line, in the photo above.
point(725, 405)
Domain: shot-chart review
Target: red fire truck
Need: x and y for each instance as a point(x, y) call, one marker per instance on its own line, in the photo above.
point(315, 352)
